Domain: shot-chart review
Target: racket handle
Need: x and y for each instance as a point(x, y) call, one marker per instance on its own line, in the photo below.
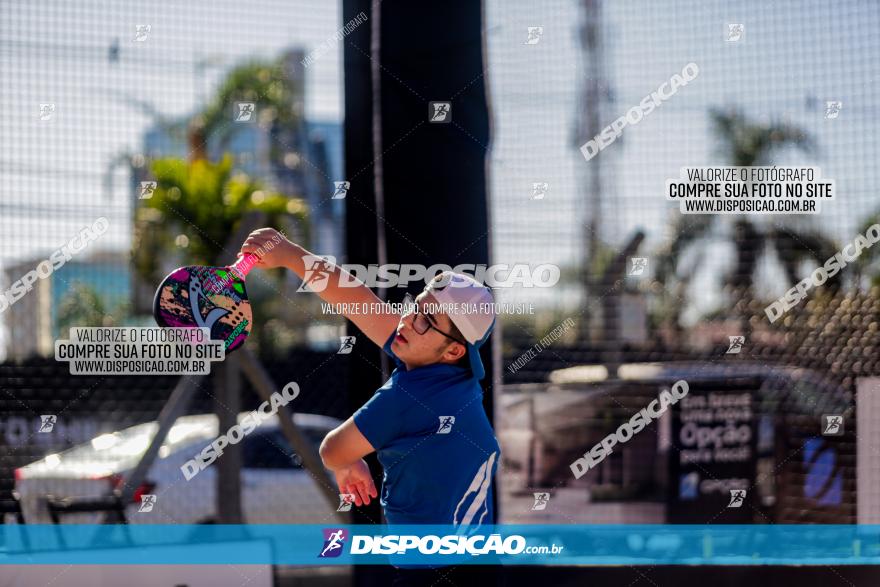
point(244, 264)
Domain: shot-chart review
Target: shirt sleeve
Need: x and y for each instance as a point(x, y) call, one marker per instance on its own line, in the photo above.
point(379, 419)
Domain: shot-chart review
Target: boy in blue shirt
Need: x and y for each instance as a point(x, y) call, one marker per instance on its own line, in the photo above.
point(426, 423)
point(429, 429)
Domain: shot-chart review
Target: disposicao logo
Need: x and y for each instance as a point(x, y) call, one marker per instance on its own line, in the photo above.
point(334, 541)
point(431, 544)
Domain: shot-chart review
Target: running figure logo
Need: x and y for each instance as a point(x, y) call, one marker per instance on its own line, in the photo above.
point(446, 423)
point(317, 273)
point(535, 33)
point(639, 264)
point(346, 346)
point(47, 423)
point(541, 500)
point(440, 112)
point(147, 189)
point(737, 497)
point(147, 503)
point(832, 109)
point(46, 111)
point(244, 111)
point(141, 31)
point(539, 190)
point(832, 425)
point(333, 542)
point(341, 190)
point(736, 344)
point(346, 500)
point(735, 32)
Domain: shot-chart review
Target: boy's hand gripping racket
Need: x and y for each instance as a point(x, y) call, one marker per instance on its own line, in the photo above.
point(208, 297)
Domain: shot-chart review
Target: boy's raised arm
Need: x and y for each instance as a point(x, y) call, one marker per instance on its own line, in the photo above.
point(359, 303)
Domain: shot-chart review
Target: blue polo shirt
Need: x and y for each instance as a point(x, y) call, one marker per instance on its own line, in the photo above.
point(435, 444)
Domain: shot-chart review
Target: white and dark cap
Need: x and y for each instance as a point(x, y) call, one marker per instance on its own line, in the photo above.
point(475, 323)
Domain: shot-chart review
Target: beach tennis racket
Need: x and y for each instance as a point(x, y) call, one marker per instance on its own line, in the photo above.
point(208, 297)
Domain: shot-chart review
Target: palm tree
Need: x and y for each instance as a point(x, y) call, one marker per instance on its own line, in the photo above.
point(199, 204)
point(743, 143)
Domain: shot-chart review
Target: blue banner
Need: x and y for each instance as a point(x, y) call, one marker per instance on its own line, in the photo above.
point(526, 544)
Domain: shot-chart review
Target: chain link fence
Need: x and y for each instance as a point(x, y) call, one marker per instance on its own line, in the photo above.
point(646, 291)
point(180, 124)
point(171, 128)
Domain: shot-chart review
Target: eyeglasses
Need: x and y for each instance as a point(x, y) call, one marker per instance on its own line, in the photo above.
point(422, 323)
